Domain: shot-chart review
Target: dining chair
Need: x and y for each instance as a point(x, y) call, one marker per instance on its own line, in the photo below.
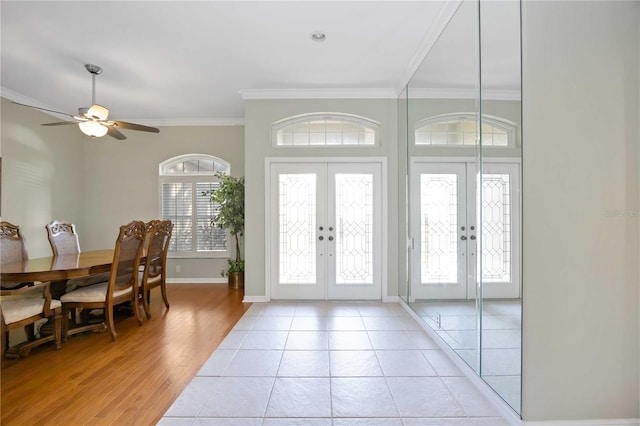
point(121, 287)
point(22, 308)
point(63, 239)
point(12, 249)
point(154, 272)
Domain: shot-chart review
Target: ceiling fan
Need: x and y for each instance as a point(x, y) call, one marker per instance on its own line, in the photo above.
point(93, 121)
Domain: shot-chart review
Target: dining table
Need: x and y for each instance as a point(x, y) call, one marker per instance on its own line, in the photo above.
point(58, 269)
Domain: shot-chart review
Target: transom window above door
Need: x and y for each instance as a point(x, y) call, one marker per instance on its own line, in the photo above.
point(183, 181)
point(325, 129)
point(462, 129)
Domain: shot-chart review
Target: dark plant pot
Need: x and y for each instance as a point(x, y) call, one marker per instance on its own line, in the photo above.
point(236, 280)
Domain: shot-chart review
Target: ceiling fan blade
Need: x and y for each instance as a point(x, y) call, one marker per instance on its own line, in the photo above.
point(42, 109)
point(60, 123)
point(115, 133)
point(133, 126)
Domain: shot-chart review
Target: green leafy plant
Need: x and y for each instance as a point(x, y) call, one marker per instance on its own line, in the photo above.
point(230, 197)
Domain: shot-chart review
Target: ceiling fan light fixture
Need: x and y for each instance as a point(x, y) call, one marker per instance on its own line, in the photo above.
point(93, 129)
point(98, 112)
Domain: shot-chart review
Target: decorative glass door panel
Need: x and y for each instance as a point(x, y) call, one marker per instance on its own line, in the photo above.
point(444, 215)
point(500, 230)
point(438, 228)
point(439, 220)
point(327, 237)
point(297, 221)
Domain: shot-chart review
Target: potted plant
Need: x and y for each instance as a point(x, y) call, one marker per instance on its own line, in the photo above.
point(230, 197)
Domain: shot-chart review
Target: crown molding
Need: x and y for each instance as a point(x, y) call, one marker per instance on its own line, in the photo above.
point(20, 98)
point(255, 94)
point(194, 122)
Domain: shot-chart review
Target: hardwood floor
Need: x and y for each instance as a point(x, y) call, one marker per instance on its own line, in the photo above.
point(134, 380)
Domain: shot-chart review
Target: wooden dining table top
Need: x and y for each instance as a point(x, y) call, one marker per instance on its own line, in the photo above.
point(60, 267)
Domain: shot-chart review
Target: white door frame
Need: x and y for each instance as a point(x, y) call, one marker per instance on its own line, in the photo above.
point(268, 161)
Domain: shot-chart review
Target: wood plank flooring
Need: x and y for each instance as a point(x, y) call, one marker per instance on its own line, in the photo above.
point(134, 380)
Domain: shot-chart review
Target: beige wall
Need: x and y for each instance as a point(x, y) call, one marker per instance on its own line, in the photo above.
point(41, 175)
point(58, 173)
point(121, 181)
point(581, 210)
point(259, 115)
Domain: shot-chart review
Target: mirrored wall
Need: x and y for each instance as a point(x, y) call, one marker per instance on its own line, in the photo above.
point(460, 127)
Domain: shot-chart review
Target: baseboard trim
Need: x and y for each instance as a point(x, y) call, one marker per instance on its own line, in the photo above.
point(598, 422)
point(255, 299)
point(390, 299)
point(196, 280)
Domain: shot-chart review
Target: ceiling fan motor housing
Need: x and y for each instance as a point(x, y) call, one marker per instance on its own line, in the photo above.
point(93, 69)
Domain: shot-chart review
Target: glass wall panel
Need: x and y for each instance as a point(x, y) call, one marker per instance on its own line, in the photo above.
point(500, 201)
point(443, 152)
point(460, 127)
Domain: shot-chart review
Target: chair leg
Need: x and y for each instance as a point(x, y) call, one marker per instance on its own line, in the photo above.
point(146, 303)
point(57, 330)
point(65, 324)
point(163, 287)
point(108, 310)
point(4, 341)
point(136, 309)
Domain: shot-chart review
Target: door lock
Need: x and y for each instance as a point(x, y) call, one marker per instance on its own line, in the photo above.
point(473, 237)
point(331, 238)
point(463, 238)
point(321, 238)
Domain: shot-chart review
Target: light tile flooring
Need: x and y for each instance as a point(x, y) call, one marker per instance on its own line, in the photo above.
point(340, 364)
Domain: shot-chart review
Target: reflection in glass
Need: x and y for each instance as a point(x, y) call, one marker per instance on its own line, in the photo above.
point(460, 118)
point(438, 228)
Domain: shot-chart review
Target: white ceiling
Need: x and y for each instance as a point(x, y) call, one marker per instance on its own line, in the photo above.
point(187, 62)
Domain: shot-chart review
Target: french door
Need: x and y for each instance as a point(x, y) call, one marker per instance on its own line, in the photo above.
point(325, 230)
point(450, 257)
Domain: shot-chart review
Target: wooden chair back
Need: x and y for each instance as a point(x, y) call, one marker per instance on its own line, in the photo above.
point(157, 247)
point(159, 235)
point(12, 248)
point(63, 237)
point(126, 258)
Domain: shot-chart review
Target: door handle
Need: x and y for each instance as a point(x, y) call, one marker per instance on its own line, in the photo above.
point(321, 238)
point(473, 237)
point(463, 238)
point(331, 238)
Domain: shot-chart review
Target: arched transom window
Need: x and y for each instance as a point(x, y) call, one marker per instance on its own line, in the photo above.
point(183, 181)
point(325, 129)
point(462, 130)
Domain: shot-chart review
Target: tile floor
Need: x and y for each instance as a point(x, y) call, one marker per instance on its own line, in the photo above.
point(456, 323)
point(340, 364)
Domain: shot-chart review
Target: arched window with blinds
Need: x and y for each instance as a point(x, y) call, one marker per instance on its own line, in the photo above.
point(182, 181)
